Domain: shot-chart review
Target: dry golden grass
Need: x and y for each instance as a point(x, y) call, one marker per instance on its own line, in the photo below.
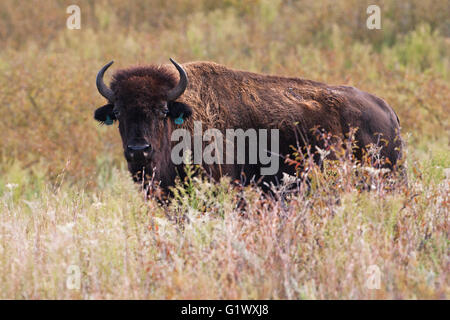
point(66, 198)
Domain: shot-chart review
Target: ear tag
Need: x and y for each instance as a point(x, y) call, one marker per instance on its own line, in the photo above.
point(179, 120)
point(108, 121)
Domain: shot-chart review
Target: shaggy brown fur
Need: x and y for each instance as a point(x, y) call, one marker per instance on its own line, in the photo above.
point(224, 98)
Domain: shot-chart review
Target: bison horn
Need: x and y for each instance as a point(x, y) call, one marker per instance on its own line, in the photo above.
point(101, 86)
point(174, 93)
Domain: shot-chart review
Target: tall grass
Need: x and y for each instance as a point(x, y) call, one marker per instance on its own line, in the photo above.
point(316, 245)
point(66, 199)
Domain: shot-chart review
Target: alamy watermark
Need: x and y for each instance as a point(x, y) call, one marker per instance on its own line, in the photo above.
point(73, 280)
point(237, 151)
point(73, 22)
point(374, 19)
point(373, 280)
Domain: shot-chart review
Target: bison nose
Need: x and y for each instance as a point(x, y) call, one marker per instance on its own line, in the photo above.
point(139, 147)
point(138, 152)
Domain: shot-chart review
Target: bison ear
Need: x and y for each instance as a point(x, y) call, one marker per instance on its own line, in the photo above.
point(178, 109)
point(105, 114)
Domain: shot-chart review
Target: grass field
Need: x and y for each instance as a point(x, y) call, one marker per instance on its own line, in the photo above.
point(66, 198)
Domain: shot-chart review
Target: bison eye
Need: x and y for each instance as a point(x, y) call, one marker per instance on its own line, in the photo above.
point(116, 113)
point(164, 112)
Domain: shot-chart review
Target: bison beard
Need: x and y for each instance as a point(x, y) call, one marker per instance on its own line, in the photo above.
point(146, 100)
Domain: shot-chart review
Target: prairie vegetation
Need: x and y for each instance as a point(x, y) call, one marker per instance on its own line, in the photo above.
point(66, 197)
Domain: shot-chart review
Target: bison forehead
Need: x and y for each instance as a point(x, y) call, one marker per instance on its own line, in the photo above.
point(140, 90)
point(150, 82)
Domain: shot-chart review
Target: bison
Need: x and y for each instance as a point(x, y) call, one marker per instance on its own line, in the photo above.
point(150, 102)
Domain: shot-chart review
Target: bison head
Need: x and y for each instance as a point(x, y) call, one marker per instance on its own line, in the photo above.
point(143, 101)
